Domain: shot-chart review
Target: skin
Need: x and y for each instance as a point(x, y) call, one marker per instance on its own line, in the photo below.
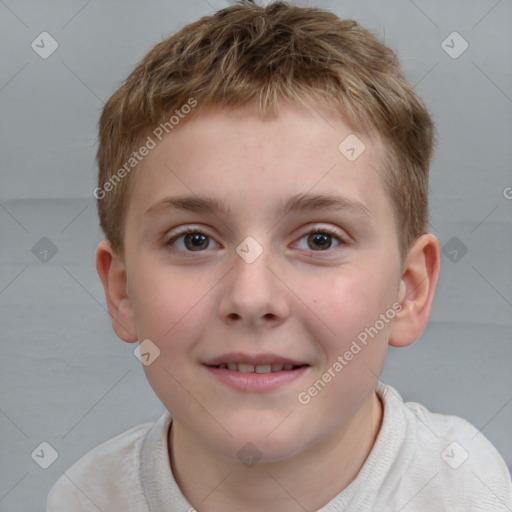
point(295, 300)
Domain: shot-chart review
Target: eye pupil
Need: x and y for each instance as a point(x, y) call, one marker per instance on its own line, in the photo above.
point(197, 240)
point(321, 240)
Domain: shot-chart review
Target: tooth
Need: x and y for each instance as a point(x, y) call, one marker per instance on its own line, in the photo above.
point(277, 367)
point(222, 366)
point(246, 368)
point(263, 368)
point(233, 366)
point(288, 367)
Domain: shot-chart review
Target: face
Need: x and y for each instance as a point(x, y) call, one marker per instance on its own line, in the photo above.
point(257, 285)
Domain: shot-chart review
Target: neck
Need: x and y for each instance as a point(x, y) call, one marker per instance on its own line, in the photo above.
point(223, 484)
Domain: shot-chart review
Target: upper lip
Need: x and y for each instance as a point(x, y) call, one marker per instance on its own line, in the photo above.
point(254, 359)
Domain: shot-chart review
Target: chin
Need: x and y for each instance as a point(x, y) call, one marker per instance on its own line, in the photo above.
point(266, 443)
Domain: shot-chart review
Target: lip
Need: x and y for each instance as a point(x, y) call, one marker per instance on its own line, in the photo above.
point(256, 382)
point(254, 359)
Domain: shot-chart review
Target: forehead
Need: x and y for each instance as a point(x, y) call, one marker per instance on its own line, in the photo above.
point(242, 161)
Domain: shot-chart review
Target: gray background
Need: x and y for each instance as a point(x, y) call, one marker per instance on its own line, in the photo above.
point(65, 377)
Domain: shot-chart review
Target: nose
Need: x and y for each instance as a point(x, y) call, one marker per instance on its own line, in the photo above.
point(254, 293)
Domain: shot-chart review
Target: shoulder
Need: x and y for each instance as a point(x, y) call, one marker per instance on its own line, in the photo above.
point(104, 476)
point(463, 467)
point(458, 440)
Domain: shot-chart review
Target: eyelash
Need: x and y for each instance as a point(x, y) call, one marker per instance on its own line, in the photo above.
point(191, 230)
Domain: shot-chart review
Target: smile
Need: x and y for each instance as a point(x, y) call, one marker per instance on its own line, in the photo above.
point(260, 368)
point(259, 378)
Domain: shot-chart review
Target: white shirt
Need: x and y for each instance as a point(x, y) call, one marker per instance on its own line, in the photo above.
point(421, 461)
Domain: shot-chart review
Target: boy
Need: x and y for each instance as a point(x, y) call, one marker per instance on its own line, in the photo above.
point(263, 190)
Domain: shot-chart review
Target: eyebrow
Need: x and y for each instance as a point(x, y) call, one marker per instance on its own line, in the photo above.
point(296, 203)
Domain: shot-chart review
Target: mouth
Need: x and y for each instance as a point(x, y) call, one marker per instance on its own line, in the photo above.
point(259, 368)
point(255, 373)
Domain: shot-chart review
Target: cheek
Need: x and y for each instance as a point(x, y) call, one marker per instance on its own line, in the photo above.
point(164, 299)
point(354, 354)
point(351, 312)
point(170, 310)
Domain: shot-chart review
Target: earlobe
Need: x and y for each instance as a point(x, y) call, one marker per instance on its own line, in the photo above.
point(416, 292)
point(112, 274)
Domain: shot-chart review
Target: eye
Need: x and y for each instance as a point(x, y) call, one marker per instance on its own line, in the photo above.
point(320, 239)
point(193, 240)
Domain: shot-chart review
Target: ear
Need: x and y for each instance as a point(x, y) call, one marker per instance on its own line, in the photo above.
point(417, 287)
point(112, 273)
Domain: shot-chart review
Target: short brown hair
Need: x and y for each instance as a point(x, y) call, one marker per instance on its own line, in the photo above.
point(248, 53)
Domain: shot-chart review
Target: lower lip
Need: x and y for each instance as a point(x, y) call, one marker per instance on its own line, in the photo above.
point(256, 382)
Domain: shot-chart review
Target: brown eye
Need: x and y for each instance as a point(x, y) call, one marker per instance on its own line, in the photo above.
point(196, 241)
point(190, 240)
point(319, 240)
